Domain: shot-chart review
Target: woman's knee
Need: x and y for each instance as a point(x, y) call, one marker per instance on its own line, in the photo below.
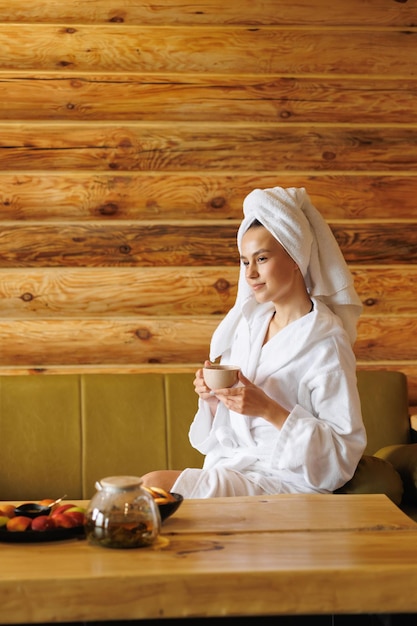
point(164, 479)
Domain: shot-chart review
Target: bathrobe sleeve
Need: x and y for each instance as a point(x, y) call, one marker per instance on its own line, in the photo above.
point(323, 437)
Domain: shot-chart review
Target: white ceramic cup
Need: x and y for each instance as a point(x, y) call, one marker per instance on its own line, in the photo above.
point(220, 376)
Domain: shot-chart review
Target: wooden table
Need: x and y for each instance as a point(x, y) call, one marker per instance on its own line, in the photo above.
point(275, 555)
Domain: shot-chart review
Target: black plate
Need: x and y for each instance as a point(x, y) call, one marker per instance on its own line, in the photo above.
point(168, 508)
point(32, 536)
point(31, 509)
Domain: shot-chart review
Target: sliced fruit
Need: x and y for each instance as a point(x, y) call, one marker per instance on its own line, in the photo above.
point(160, 495)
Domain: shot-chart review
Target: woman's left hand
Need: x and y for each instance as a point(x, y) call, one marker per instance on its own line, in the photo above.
point(249, 399)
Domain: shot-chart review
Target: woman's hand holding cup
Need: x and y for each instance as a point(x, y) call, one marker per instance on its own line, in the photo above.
point(218, 376)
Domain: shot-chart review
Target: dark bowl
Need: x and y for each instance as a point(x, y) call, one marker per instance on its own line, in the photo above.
point(31, 509)
point(166, 509)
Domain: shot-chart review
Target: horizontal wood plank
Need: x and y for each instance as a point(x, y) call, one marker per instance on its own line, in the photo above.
point(289, 12)
point(180, 244)
point(81, 196)
point(212, 147)
point(101, 341)
point(142, 342)
point(204, 97)
point(165, 340)
point(91, 292)
point(387, 290)
point(124, 48)
point(386, 338)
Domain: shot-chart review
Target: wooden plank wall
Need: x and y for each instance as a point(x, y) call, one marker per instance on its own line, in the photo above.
point(130, 132)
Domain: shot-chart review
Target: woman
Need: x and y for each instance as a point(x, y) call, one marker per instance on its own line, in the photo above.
point(293, 423)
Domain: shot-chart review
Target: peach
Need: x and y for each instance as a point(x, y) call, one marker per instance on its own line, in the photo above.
point(46, 501)
point(3, 520)
point(19, 523)
point(77, 516)
point(61, 508)
point(61, 520)
point(7, 510)
point(42, 523)
point(79, 509)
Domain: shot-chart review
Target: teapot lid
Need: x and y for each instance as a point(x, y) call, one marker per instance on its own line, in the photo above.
point(119, 483)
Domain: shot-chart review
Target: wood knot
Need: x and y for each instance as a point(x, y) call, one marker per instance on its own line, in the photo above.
point(221, 285)
point(218, 202)
point(26, 297)
point(143, 334)
point(125, 249)
point(125, 143)
point(370, 302)
point(108, 209)
point(329, 156)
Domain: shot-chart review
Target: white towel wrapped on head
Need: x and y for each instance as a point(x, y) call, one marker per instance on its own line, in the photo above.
point(291, 218)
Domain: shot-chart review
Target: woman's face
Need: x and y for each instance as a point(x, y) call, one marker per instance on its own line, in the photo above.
point(270, 271)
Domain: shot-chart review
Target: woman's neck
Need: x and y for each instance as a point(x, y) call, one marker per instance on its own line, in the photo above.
point(283, 316)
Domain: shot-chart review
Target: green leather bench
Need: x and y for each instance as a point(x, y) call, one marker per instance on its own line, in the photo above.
point(59, 434)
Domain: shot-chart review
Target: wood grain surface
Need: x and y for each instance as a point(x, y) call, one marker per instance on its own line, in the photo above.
point(285, 555)
point(245, 12)
point(130, 134)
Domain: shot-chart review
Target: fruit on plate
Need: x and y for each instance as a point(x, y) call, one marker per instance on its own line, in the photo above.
point(75, 509)
point(7, 510)
point(68, 515)
point(3, 520)
point(46, 502)
point(77, 516)
point(62, 508)
point(61, 520)
point(42, 523)
point(160, 495)
point(19, 523)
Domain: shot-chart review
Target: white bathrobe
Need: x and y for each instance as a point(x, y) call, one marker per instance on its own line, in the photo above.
point(309, 368)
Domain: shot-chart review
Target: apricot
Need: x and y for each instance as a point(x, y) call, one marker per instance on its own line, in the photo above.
point(77, 516)
point(62, 508)
point(42, 523)
point(7, 510)
point(74, 507)
point(61, 520)
point(46, 501)
point(19, 523)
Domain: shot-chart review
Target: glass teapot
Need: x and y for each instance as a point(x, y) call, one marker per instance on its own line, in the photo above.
point(121, 514)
